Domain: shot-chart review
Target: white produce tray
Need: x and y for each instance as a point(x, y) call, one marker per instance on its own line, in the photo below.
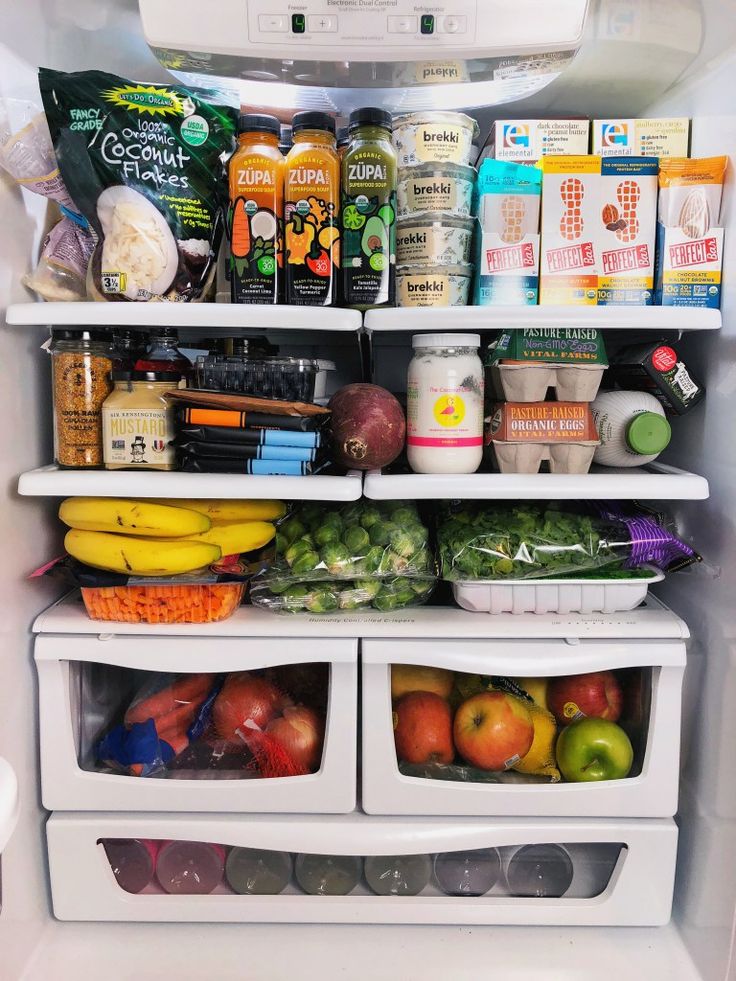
point(554, 596)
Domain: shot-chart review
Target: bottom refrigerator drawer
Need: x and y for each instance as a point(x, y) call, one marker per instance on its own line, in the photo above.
point(361, 869)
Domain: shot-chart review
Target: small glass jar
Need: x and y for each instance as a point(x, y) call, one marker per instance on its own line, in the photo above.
point(138, 422)
point(445, 404)
point(81, 364)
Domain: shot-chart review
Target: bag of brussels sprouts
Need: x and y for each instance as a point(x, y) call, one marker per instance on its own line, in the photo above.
point(340, 595)
point(360, 540)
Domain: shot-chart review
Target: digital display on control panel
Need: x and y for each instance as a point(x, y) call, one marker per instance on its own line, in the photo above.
point(361, 23)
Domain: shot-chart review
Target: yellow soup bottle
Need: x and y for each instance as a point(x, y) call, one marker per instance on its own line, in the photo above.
point(312, 205)
point(256, 174)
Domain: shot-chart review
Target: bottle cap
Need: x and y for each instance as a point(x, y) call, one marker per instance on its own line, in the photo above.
point(170, 377)
point(445, 340)
point(648, 433)
point(313, 120)
point(371, 117)
point(252, 122)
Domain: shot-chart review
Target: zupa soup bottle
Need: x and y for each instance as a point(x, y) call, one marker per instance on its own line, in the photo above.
point(256, 174)
point(369, 211)
point(312, 205)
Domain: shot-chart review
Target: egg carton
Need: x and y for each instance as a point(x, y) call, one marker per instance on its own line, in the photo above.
point(528, 457)
point(554, 596)
point(531, 382)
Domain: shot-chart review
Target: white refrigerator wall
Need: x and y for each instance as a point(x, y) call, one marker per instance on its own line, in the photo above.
point(74, 34)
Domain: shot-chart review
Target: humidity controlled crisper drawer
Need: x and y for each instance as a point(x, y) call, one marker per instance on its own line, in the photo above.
point(583, 727)
point(361, 869)
point(197, 723)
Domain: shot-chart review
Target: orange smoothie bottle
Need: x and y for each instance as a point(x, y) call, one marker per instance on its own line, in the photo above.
point(256, 174)
point(312, 206)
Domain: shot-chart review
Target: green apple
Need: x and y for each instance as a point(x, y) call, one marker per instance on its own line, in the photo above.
point(594, 749)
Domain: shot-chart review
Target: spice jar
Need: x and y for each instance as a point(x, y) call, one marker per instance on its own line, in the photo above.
point(137, 421)
point(81, 366)
point(445, 404)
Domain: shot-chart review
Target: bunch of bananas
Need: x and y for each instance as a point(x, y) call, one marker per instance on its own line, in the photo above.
point(164, 537)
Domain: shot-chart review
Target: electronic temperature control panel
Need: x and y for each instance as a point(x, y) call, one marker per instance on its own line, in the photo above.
point(360, 22)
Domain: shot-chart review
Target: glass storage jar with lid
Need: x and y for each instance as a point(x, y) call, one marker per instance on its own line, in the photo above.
point(81, 364)
point(445, 404)
point(138, 422)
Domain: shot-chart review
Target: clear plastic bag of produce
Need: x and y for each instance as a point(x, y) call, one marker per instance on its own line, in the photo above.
point(340, 595)
point(361, 540)
point(481, 543)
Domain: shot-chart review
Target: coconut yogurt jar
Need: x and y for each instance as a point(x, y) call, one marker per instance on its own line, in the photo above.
point(438, 189)
point(428, 286)
point(431, 241)
point(434, 137)
point(444, 420)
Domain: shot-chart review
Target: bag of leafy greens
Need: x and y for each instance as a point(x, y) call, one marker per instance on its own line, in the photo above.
point(481, 543)
point(145, 165)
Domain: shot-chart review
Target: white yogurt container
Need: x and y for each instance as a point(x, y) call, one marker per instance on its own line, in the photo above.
point(428, 286)
point(438, 189)
point(426, 240)
point(434, 137)
point(444, 424)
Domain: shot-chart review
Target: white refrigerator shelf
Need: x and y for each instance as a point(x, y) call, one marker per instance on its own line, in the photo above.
point(184, 315)
point(51, 481)
point(658, 481)
point(653, 620)
point(430, 319)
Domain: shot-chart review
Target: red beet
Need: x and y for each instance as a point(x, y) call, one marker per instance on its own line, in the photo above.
point(368, 427)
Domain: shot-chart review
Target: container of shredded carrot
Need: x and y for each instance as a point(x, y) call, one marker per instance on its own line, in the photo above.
point(186, 603)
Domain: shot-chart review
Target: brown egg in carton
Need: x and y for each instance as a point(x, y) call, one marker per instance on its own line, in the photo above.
point(523, 382)
point(523, 436)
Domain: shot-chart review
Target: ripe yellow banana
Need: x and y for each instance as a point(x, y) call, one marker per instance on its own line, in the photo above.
point(139, 556)
point(234, 537)
point(141, 518)
point(224, 510)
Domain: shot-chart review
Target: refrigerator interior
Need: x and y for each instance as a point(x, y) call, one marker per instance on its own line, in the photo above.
point(642, 57)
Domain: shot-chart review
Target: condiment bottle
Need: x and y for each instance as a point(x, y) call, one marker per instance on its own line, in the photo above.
point(444, 431)
point(256, 177)
point(312, 206)
point(162, 354)
point(81, 364)
point(632, 427)
point(138, 423)
point(369, 212)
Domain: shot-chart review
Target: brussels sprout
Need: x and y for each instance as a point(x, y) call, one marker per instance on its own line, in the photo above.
point(404, 517)
point(292, 529)
point(370, 517)
point(353, 598)
point(380, 533)
point(371, 561)
point(356, 539)
point(294, 598)
point(326, 535)
point(307, 562)
point(322, 600)
point(370, 588)
point(402, 543)
point(294, 551)
point(336, 557)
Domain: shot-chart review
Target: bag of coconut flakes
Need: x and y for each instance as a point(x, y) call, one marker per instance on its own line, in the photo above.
point(146, 166)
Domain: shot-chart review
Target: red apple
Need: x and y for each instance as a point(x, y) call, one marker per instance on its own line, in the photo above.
point(423, 728)
point(493, 730)
point(596, 695)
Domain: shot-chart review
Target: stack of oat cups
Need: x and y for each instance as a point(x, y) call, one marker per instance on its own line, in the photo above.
point(526, 430)
point(434, 242)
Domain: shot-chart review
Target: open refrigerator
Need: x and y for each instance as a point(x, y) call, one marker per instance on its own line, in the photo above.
point(62, 673)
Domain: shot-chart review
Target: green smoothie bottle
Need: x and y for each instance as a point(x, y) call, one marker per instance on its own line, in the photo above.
point(369, 212)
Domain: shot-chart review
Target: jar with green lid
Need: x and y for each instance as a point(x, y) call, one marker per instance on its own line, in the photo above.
point(138, 422)
point(81, 364)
